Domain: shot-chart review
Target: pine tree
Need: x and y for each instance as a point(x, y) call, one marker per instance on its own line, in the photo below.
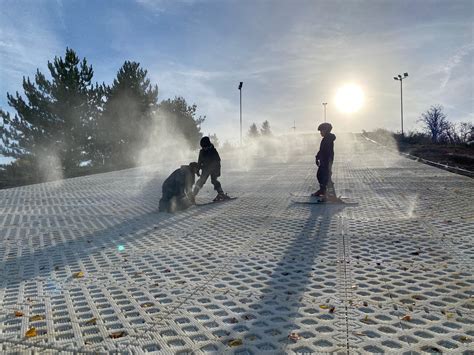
point(182, 120)
point(253, 131)
point(51, 119)
point(265, 130)
point(128, 112)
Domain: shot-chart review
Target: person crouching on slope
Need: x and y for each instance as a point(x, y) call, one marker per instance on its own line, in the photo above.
point(209, 162)
point(324, 159)
point(177, 189)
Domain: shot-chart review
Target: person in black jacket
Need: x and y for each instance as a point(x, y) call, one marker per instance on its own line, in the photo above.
point(209, 162)
point(177, 189)
point(324, 159)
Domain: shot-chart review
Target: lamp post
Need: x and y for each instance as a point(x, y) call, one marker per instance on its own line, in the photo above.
point(325, 104)
point(400, 78)
point(240, 90)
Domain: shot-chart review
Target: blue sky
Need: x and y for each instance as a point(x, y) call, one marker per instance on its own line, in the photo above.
point(291, 54)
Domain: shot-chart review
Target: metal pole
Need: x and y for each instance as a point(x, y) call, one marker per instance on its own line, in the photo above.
point(401, 103)
point(240, 117)
point(400, 78)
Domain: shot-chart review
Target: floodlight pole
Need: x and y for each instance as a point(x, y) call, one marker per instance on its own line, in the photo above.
point(400, 78)
point(240, 90)
point(325, 104)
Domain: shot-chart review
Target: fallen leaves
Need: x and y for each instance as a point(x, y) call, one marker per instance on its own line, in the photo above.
point(235, 342)
point(117, 335)
point(92, 321)
point(329, 307)
point(19, 314)
point(406, 317)
point(147, 304)
point(449, 315)
point(294, 336)
point(464, 339)
point(36, 317)
point(78, 275)
point(30, 333)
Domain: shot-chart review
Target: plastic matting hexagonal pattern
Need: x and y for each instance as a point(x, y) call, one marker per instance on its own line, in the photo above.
point(88, 265)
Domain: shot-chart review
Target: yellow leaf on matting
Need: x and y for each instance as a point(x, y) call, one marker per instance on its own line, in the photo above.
point(78, 275)
point(30, 333)
point(92, 321)
point(36, 318)
point(323, 306)
point(118, 334)
point(235, 342)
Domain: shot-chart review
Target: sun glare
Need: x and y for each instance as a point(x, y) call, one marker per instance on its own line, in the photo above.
point(349, 98)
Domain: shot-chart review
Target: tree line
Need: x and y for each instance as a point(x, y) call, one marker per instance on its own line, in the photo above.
point(442, 131)
point(71, 124)
point(265, 130)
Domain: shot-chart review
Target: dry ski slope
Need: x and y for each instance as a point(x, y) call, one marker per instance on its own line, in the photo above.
point(91, 266)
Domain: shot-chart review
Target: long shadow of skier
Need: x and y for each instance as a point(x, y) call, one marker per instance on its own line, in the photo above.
point(305, 274)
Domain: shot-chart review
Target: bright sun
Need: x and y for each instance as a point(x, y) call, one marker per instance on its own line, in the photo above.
point(349, 98)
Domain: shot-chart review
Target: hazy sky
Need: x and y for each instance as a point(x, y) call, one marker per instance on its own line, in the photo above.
point(292, 55)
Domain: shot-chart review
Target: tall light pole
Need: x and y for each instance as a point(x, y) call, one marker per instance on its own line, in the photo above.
point(240, 90)
point(400, 78)
point(325, 104)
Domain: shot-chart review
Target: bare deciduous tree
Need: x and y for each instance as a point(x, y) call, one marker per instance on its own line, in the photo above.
point(466, 132)
point(435, 122)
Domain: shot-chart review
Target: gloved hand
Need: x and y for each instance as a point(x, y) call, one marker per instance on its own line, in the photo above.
point(316, 160)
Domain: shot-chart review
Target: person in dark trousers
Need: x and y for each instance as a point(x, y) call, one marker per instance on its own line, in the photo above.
point(324, 160)
point(209, 162)
point(177, 189)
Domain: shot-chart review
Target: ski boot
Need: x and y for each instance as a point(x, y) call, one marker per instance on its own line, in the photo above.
point(318, 193)
point(221, 197)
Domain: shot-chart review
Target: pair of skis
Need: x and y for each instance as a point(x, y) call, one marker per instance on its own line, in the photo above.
point(228, 198)
point(316, 200)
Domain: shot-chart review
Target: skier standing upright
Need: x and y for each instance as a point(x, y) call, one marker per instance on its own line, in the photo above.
point(210, 164)
point(324, 160)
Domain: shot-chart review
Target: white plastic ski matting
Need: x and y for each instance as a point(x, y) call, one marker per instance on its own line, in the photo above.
point(92, 267)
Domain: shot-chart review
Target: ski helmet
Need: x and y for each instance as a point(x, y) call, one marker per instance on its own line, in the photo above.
point(205, 142)
point(325, 127)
